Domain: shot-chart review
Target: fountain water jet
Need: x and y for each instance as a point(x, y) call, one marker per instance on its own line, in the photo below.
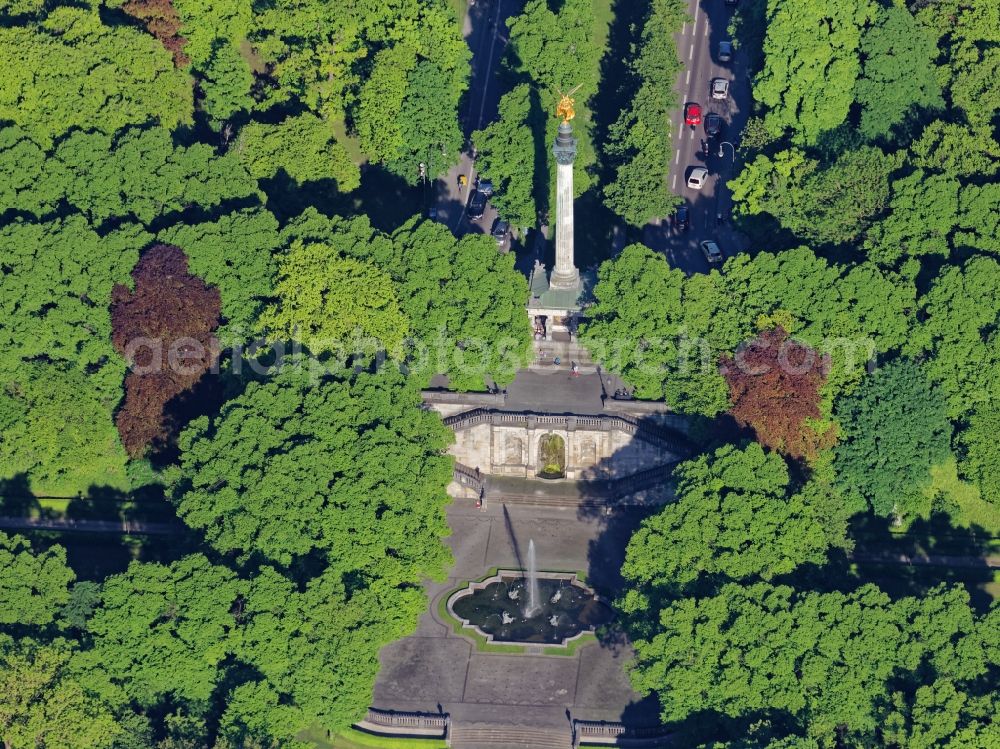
point(533, 606)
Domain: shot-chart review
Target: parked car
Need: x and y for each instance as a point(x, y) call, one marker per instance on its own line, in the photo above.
point(725, 50)
point(692, 114)
point(476, 206)
point(697, 178)
point(713, 125)
point(720, 88)
point(501, 233)
point(485, 186)
point(682, 218)
point(712, 252)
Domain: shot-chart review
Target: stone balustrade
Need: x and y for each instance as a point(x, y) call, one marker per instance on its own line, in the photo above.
point(614, 733)
point(665, 437)
point(399, 723)
point(468, 477)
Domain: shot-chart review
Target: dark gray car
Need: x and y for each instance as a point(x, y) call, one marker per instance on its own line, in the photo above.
point(477, 205)
point(713, 125)
point(501, 233)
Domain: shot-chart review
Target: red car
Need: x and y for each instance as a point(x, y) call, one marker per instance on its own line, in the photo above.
point(692, 114)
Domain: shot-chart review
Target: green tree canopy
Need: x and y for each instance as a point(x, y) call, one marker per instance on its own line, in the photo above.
point(507, 152)
point(327, 301)
point(428, 125)
point(557, 51)
point(735, 518)
point(137, 175)
point(209, 22)
point(827, 204)
point(958, 334)
point(55, 292)
point(33, 585)
point(942, 714)
point(824, 659)
point(402, 88)
point(893, 430)
point(923, 211)
point(42, 704)
point(304, 146)
point(130, 80)
point(318, 649)
point(956, 149)
point(466, 303)
point(236, 253)
point(968, 34)
point(639, 141)
point(981, 450)
point(898, 81)
point(464, 300)
point(225, 83)
point(349, 464)
point(665, 332)
point(160, 631)
point(811, 50)
point(979, 217)
point(56, 429)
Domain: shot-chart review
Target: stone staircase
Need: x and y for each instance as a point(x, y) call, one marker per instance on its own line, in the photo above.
point(567, 351)
point(478, 736)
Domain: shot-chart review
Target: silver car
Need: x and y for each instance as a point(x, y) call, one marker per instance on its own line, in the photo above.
point(720, 88)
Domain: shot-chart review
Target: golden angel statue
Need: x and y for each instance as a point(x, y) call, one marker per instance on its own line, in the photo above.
point(564, 109)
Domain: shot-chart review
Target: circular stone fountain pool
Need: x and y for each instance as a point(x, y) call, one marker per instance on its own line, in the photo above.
point(498, 608)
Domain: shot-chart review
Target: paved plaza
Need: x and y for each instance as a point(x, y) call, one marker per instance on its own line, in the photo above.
point(435, 669)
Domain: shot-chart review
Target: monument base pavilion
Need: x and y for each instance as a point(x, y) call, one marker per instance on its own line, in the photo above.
point(556, 312)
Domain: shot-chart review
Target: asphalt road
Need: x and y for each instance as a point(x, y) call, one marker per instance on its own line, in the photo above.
point(697, 46)
point(485, 31)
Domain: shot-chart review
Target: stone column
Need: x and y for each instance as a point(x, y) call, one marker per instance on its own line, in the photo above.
point(565, 275)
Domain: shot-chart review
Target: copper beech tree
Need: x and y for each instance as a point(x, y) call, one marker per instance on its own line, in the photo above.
point(163, 328)
point(774, 385)
point(162, 21)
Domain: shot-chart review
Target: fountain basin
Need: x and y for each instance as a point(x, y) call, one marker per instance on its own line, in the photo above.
point(568, 609)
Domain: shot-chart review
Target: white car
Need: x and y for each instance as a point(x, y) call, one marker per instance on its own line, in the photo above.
point(720, 88)
point(697, 178)
point(712, 252)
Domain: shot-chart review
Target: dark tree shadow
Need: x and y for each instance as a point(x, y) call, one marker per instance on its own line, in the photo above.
point(16, 497)
point(203, 399)
point(386, 198)
point(955, 555)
